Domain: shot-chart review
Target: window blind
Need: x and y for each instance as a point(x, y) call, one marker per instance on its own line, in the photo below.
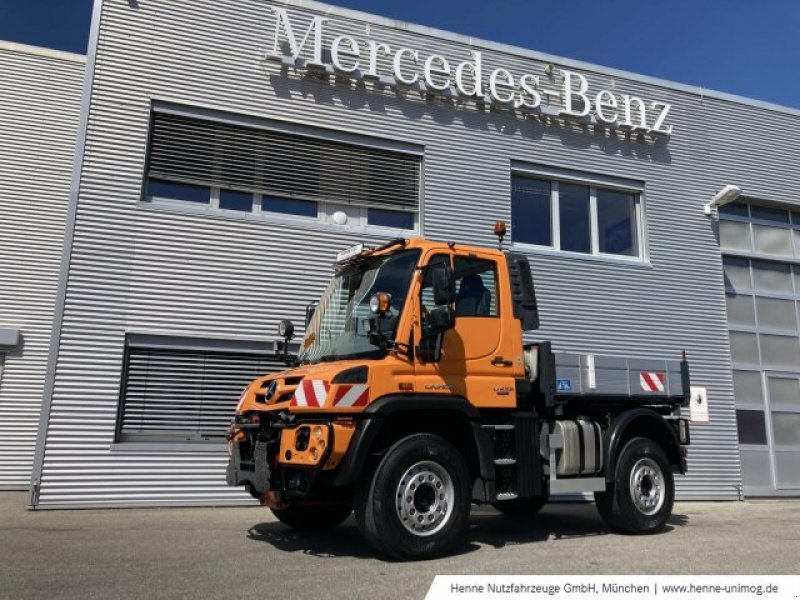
point(192, 150)
point(185, 395)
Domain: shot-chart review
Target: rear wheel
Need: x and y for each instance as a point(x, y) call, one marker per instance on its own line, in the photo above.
point(641, 497)
point(311, 517)
point(415, 503)
point(521, 507)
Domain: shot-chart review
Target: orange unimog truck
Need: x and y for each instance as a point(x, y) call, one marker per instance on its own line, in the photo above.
point(414, 396)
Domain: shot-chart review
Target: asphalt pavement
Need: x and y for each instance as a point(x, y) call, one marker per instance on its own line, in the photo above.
point(245, 553)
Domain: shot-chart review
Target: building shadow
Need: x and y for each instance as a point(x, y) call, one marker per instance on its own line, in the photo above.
point(488, 528)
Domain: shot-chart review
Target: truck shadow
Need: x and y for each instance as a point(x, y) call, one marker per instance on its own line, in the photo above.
point(557, 521)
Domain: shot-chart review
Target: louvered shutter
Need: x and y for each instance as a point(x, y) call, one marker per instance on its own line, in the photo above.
point(278, 164)
point(176, 395)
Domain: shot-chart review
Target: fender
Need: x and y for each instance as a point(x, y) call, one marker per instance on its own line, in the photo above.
point(371, 422)
point(653, 419)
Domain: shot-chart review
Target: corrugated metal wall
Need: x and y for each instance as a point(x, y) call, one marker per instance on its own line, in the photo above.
point(135, 268)
point(40, 95)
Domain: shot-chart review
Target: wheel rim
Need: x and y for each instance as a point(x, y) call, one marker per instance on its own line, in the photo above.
point(647, 486)
point(424, 498)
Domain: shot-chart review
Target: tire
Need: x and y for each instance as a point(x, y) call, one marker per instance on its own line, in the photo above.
point(640, 499)
point(313, 518)
point(521, 507)
point(414, 504)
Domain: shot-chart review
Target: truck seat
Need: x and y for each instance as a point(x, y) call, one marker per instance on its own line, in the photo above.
point(473, 299)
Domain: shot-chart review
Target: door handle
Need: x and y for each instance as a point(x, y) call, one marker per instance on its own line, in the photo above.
point(499, 361)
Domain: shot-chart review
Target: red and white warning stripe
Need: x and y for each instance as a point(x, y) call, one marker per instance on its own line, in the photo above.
point(311, 392)
point(351, 395)
point(652, 382)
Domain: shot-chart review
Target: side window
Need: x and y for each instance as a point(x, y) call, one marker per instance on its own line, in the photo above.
point(476, 287)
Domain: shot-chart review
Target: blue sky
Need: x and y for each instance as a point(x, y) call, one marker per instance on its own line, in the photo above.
point(738, 46)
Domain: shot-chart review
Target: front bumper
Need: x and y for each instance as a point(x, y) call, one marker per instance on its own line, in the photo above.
point(249, 465)
point(276, 455)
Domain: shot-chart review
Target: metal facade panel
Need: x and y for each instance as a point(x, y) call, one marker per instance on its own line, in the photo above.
point(40, 92)
point(139, 268)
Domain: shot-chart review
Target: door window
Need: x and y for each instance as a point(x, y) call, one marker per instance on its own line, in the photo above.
point(476, 287)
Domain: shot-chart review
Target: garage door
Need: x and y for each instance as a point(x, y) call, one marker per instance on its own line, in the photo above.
point(761, 259)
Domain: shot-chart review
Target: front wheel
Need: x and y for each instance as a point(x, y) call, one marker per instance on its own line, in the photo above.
point(311, 517)
point(416, 503)
point(641, 497)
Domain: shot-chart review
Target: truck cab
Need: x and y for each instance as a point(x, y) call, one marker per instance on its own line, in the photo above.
point(414, 396)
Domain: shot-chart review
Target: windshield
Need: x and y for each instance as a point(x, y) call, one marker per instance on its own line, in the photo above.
point(339, 328)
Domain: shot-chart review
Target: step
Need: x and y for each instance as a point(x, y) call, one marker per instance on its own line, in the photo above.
point(505, 461)
point(506, 496)
point(499, 427)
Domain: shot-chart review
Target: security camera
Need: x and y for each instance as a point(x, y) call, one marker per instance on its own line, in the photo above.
point(726, 195)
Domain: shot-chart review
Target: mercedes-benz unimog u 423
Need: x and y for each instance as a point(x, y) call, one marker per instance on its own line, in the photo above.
point(414, 396)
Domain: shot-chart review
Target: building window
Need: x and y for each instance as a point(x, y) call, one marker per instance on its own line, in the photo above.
point(751, 427)
point(233, 200)
point(172, 190)
point(573, 217)
point(235, 169)
point(177, 394)
point(290, 206)
point(390, 218)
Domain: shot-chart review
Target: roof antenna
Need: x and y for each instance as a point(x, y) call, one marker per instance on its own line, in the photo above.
point(500, 232)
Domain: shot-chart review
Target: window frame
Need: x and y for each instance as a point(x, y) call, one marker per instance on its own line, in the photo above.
point(594, 183)
point(173, 441)
point(357, 221)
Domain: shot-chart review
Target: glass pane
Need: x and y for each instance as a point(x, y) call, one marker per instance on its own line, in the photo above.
point(779, 351)
point(751, 426)
point(390, 218)
point(231, 200)
point(744, 348)
point(530, 211)
point(784, 392)
point(769, 214)
point(786, 428)
point(616, 222)
point(737, 273)
point(779, 314)
point(772, 277)
point(158, 188)
point(740, 310)
point(476, 285)
point(772, 240)
point(736, 208)
point(747, 388)
point(289, 206)
point(573, 206)
point(734, 235)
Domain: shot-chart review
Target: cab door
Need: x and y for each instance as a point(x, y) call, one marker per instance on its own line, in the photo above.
point(476, 361)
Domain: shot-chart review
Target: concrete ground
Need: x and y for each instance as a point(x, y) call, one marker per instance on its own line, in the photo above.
point(245, 553)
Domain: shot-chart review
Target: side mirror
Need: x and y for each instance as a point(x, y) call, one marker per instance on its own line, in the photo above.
point(286, 331)
point(311, 308)
point(442, 319)
point(442, 284)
